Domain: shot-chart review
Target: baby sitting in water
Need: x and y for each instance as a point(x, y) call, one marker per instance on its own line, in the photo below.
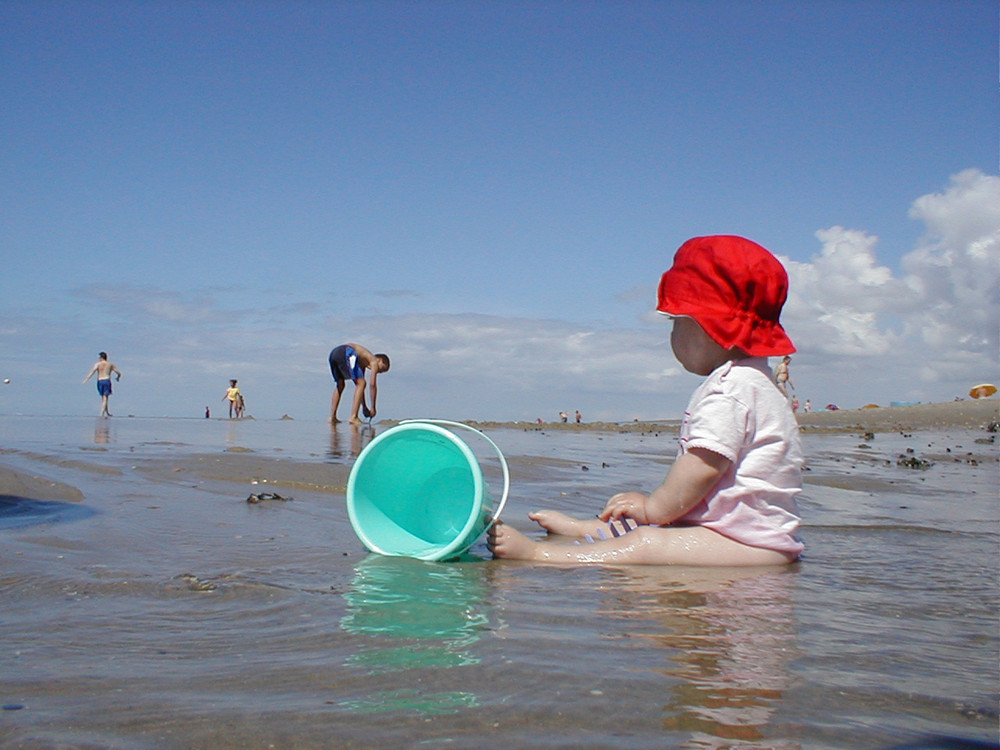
point(729, 498)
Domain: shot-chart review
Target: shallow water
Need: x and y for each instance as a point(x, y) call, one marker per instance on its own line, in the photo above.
point(163, 611)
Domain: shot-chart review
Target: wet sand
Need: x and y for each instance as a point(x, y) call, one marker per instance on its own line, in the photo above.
point(973, 414)
point(34, 487)
point(237, 464)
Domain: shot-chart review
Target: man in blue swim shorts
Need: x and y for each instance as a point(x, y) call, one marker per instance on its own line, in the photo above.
point(103, 369)
point(349, 362)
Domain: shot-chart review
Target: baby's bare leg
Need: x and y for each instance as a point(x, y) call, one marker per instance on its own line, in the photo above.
point(647, 545)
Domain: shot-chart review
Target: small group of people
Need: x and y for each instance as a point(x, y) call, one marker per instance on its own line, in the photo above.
point(347, 362)
point(564, 417)
point(806, 408)
point(784, 382)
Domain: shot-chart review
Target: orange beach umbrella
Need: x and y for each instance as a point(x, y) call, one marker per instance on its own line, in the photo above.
point(983, 390)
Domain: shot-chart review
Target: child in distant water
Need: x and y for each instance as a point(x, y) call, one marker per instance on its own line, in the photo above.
point(729, 498)
point(233, 395)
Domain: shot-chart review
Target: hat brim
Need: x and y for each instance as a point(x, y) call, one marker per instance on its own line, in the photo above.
point(750, 335)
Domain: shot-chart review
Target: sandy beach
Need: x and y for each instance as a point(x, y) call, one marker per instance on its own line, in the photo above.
point(971, 413)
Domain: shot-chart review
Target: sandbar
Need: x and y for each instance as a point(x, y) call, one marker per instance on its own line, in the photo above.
point(31, 486)
point(973, 414)
point(966, 414)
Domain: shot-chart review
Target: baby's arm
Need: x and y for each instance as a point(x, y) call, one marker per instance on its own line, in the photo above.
point(691, 477)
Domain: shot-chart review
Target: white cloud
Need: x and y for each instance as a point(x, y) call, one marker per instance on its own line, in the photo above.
point(835, 298)
point(930, 329)
point(957, 267)
point(964, 214)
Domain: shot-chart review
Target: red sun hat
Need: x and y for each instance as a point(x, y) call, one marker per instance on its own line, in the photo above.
point(734, 289)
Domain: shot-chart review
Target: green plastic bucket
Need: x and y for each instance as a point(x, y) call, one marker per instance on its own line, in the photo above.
point(417, 490)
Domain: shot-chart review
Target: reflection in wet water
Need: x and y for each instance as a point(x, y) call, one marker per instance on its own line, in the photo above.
point(347, 440)
point(416, 615)
point(17, 512)
point(728, 637)
point(102, 431)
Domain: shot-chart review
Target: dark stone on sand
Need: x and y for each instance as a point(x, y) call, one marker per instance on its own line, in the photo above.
point(260, 497)
point(913, 462)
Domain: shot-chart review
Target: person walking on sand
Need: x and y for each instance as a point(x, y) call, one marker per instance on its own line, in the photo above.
point(232, 394)
point(781, 376)
point(104, 369)
point(729, 497)
point(349, 362)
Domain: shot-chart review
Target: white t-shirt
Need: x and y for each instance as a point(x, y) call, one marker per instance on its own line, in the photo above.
point(739, 413)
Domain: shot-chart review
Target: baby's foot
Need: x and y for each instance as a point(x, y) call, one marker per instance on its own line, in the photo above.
point(555, 522)
point(509, 543)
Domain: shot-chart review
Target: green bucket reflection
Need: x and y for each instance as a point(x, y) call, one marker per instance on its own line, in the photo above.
point(418, 614)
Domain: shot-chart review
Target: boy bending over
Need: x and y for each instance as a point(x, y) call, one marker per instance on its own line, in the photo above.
point(349, 362)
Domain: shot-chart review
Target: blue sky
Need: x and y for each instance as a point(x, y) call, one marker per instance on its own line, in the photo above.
point(487, 191)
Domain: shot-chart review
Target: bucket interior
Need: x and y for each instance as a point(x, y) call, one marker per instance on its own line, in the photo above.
point(415, 491)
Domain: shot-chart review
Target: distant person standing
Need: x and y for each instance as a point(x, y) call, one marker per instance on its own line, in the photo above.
point(233, 396)
point(349, 362)
point(579, 416)
point(104, 369)
point(781, 376)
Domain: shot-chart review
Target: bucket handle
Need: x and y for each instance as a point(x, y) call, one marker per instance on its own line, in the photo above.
point(503, 461)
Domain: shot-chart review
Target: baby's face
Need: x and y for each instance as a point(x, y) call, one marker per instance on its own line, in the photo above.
point(695, 349)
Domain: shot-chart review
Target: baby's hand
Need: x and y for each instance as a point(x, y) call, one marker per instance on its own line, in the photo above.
point(625, 504)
